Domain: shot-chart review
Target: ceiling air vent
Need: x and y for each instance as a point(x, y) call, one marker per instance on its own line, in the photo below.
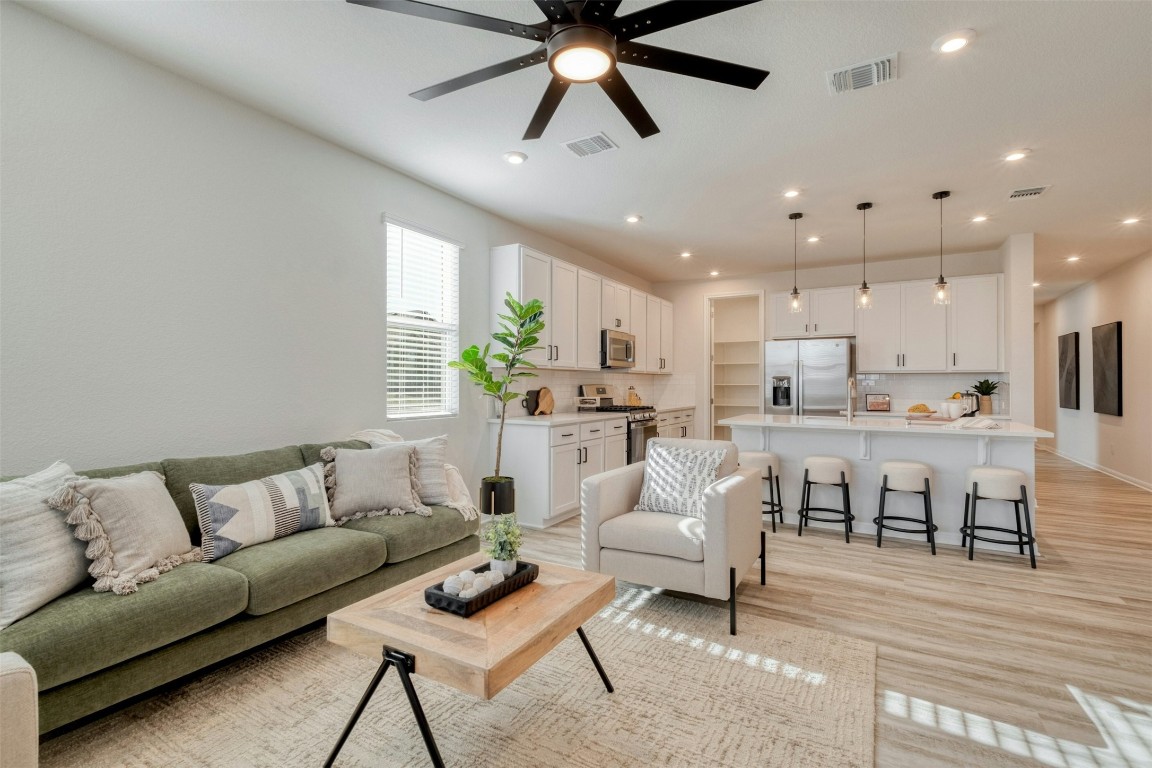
point(863, 75)
point(1029, 192)
point(590, 145)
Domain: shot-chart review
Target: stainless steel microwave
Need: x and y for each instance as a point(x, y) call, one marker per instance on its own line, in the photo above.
point(617, 349)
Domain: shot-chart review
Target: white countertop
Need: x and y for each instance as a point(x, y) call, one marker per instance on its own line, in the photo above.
point(578, 417)
point(1008, 429)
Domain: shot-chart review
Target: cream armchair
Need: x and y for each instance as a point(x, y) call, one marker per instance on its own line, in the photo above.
point(687, 554)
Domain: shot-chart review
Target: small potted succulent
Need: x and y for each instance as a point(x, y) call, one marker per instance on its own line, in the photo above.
point(986, 388)
point(502, 537)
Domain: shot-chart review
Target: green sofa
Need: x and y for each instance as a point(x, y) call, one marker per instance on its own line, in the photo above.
point(93, 650)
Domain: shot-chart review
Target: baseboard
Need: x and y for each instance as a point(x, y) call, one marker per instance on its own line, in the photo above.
point(1110, 472)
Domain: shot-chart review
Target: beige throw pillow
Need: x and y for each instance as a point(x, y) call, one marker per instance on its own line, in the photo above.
point(373, 482)
point(133, 529)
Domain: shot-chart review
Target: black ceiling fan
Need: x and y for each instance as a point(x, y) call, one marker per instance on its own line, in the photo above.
point(583, 41)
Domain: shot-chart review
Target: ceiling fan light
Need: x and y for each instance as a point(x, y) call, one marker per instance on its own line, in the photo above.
point(581, 54)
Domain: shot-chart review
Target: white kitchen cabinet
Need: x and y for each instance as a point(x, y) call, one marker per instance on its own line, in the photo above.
point(615, 451)
point(679, 422)
point(588, 298)
point(666, 336)
point(975, 324)
point(560, 316)
point(565, 479)
point(651, 348)
point(826, 312)
point(529, 274)
point(615, 306)
point(639, 316)
point(903, 332)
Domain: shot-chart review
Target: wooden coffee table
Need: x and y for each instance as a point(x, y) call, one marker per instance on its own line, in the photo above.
point(479, 655)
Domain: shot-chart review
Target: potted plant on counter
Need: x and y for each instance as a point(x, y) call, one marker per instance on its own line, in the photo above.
point(518, 335)
point(986, 388)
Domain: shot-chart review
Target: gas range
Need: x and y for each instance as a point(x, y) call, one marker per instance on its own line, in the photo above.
point(635, 412)
point(602, 399)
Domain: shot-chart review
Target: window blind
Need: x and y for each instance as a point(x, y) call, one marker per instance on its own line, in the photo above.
point(423, 323)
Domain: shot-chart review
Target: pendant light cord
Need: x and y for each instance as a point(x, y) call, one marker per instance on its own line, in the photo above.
point(864, 248)
point(941, 237)
point(795, 230)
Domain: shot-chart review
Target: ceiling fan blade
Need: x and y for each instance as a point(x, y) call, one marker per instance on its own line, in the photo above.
point(556, 11)
point(552, 96)
point(599, 11)
point(669, 14)
point(487, 73)
point(691, 65)
point(536, 32)
point(629, 105)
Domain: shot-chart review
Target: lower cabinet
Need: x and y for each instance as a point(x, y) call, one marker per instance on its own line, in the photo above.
point(677, 423)
point(549, 463)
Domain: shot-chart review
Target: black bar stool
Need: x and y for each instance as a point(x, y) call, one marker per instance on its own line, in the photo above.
point(826, 470)
point(1003, 484)
point(908, 477)
point(769, 465)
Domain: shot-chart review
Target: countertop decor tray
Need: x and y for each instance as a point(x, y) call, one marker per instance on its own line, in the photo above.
point(436, 597)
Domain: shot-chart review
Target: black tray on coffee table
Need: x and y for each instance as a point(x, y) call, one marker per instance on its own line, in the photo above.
point(436, 597)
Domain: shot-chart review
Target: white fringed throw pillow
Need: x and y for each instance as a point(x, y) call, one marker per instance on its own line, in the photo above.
point(372, 482)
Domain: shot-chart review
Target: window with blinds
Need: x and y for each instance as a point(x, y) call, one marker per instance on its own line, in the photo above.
point(423, 331)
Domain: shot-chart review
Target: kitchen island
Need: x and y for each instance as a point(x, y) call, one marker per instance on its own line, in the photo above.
point(866, 443)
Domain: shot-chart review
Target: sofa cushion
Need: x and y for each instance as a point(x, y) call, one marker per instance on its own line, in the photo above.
point(410, 536)
point(222, 470)
point(655, 533)
point(311, 451)
point(40, 559)
point(85, 631)
point(247, 514)
point(287, 570)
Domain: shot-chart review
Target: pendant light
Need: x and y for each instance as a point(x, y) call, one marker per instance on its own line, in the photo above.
point(796, 305)
point(940, 291)
point(864, 293)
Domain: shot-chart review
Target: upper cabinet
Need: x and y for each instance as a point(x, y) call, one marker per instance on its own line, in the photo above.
point(588, 298)
point(528, 274)
point(666, 346)
point(615, 306)
point(825, 312)
point(638, 313)
point(976, 324)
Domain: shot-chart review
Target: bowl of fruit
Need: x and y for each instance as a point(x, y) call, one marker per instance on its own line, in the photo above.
point(920, 411)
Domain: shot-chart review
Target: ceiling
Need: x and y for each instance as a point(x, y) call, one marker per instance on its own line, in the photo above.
point(1072, 81)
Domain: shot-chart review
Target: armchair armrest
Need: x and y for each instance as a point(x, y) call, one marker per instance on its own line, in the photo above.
point(732, 524)
point(603, 497)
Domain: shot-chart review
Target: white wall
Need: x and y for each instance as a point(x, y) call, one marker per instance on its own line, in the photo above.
point(1017, 255)
point(184, 275)
point(1119, 445)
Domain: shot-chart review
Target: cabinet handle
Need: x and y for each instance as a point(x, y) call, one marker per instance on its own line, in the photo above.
point(568, 434)
point(617, 322)
point(618, 427)
point(585, 450)
point(953, 358)
point(815, 327)
point(897, 359)
point(578, 459)
point(805, 327)
point(593, 431)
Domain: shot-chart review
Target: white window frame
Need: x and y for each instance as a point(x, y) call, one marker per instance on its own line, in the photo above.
point(443, 325)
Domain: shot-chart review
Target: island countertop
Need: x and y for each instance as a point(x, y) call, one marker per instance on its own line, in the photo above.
point(919, 427)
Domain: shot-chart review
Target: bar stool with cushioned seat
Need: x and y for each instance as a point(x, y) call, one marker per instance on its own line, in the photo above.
point(1003, 484)
point(769, 465)
point(909, 477)
point(826, 470)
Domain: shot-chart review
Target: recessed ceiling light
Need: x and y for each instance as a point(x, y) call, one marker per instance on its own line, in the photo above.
point(1035, 285)
point(978, 219)
point(1131, 221)
point(1072, 258)
point(713, 273)
point(685, 255)
point(516, 158)
point(953, 41)
point(814, 239)
point(1017, 154)
point(792, 193)
point(633, 219)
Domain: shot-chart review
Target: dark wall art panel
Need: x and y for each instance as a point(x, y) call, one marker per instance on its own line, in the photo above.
point(1070, 371)
point(1107, 394)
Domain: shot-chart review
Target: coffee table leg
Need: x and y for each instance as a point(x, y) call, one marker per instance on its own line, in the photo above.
point(405, 664)
point(359, 710)
point(595, 660)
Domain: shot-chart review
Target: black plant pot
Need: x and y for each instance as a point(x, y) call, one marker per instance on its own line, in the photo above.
point(497, 496)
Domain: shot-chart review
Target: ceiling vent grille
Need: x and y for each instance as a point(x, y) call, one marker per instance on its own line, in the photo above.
point(1028, 192)
point(590, 145)
point(863, 75)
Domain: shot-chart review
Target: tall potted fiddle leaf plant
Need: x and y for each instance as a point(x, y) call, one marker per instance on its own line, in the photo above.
point(519, 334)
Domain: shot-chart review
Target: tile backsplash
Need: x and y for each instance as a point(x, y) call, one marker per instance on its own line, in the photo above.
point(907, 389)
point(661, 391)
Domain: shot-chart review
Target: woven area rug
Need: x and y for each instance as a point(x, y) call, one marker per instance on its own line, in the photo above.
point(687, 694)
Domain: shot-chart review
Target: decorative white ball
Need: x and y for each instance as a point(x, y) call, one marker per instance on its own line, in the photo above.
point(495, 577)
point(482, 583)
point(453, 585)
point(467, 577)
point(468, 594)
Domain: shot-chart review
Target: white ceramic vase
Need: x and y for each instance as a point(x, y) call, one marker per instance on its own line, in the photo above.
point(506, 567)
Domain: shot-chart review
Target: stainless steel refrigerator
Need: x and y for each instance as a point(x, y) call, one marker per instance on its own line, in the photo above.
point(808, 377)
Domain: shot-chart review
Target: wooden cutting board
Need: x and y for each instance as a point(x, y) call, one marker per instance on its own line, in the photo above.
point(546, 404)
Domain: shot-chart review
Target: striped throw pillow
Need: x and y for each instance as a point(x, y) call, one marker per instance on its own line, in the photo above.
point(235, 516)
point(675, 479)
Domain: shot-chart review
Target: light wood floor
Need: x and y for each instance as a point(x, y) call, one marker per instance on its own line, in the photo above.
point(980, 663)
